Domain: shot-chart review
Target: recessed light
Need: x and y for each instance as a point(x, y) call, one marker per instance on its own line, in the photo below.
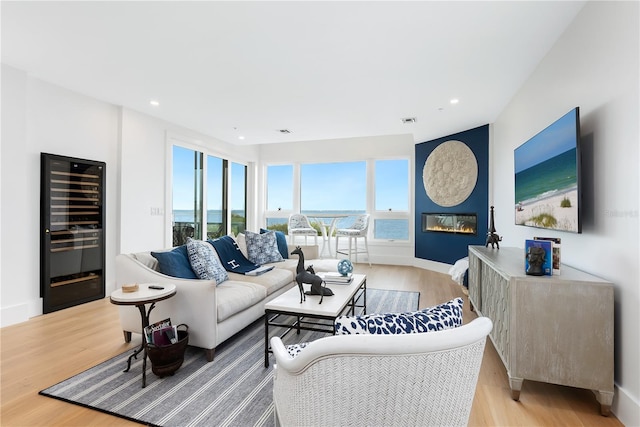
point(241, 137)
point(454, 101)
point(154, 102)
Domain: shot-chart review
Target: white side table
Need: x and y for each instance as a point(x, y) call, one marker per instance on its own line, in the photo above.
point(144, 295)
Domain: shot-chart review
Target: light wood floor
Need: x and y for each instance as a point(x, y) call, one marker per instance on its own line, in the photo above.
point(50, 348)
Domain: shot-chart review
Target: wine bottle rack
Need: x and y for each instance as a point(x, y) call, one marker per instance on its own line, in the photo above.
point(72, 231)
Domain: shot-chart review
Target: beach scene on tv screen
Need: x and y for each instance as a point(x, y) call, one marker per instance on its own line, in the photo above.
point(546, 177)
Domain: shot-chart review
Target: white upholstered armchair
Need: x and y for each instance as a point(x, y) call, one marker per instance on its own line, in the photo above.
point(419, 379)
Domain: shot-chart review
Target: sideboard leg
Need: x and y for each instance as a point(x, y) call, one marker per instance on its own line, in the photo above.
point(605, 398)
point(516, 386)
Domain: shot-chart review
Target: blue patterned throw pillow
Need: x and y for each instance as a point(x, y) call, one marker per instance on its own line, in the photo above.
point(437, 318)
point(281, 241)
point(204, 261)
point(262, 248)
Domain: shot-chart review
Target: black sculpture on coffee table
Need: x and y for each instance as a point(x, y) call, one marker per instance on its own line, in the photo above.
point(492, 237)
point(318, 286)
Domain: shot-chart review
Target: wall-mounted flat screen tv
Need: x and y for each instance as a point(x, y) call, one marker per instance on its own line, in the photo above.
point(547, 177)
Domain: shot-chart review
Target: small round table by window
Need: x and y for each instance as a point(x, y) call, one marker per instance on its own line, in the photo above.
point(144, 295)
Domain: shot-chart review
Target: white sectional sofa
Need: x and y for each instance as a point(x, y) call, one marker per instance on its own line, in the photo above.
point(213, 312)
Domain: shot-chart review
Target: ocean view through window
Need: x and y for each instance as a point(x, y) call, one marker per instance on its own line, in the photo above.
point(344, 189)
point(212, 193)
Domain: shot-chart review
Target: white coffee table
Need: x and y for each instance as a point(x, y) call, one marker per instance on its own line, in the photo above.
point(307, 315)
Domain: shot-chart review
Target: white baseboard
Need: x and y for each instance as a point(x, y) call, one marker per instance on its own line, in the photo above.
point(625, 408)
point(426, 264)
point(14, 314)
point(440, 267)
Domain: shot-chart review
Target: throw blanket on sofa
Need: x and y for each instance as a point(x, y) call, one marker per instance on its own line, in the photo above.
point(233, 260)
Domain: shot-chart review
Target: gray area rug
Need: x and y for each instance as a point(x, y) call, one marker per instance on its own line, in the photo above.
point(233, 390)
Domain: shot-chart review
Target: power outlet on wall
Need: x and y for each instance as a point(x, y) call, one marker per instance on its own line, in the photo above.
point(157, 211)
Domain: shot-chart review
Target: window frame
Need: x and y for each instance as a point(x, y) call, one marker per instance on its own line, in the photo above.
point(205, 151)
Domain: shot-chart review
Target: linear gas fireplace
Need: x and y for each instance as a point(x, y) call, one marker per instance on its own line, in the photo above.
point(466, 223)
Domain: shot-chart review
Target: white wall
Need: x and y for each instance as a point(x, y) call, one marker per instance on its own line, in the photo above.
point(594, 65)
point(39, 117)
point(145, 159)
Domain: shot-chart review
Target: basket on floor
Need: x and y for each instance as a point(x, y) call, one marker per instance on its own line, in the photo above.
point(165, 360)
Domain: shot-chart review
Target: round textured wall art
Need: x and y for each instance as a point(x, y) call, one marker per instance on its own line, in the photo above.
point(450, 173)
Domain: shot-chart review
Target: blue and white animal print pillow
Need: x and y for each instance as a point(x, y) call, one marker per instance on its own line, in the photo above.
point(443, 316)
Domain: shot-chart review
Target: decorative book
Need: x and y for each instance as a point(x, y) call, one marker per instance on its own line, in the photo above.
point(336, 278)
point(555, 247)
point(161, 333)
point(538, 257)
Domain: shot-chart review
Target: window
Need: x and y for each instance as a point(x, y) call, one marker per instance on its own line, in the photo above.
point(333, 187)
point(380, 187)
point(238, 198)
point(329, 188)
point(187, 194)
point(224, 186)
point(391, 220)
point(279, 196)
point(216, 217)
point(280, 188)
point(392, 185)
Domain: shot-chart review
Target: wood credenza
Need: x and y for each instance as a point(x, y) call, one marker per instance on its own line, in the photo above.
point(554, 329)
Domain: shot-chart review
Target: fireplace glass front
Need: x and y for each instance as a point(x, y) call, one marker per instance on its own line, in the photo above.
point(465, 223)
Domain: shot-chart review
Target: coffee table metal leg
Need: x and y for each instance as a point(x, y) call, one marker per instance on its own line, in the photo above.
point(364, 303)
point(266, 339)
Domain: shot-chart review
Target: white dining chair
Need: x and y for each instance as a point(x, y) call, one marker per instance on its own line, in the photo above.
point(299, 225)
point(358, 230)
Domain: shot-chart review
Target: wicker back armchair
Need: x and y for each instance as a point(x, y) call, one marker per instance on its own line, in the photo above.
point(381, 380)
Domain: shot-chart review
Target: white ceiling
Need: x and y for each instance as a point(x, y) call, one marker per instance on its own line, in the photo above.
point(323, 70)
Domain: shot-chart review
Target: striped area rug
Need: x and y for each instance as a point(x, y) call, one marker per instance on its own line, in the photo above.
point(233, 390)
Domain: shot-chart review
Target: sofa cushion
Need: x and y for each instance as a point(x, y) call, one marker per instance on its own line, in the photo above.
point(281, 241)
point(319, 265)
point(204, 261)
point(443, 316)
point(262, 248)
point(234, 297)
point(175, 263)
point(271, 281)
point(146, 259)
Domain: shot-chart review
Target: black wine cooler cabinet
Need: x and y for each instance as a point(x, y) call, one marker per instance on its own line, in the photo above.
point(72, 250)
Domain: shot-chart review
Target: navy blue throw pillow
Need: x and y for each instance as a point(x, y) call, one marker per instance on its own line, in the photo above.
point(175, 263)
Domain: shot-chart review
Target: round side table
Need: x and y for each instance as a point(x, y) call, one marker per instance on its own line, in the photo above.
point(144, 295)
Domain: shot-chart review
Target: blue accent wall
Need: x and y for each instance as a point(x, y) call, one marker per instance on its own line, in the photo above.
point(450, 247)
